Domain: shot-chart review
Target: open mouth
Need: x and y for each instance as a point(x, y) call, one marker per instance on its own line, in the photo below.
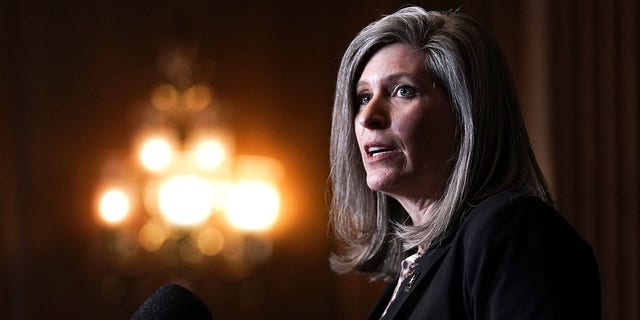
point(376, 151)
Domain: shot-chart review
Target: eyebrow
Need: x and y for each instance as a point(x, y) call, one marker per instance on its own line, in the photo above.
point(391, 78)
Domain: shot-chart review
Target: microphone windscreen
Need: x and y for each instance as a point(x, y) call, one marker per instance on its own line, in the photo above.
point(171, 302)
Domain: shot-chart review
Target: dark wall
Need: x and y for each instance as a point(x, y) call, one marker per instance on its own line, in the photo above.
point(75, 76)
point(596, 86)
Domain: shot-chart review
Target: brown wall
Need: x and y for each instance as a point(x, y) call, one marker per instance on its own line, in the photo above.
point(595, 101)
point(576, 65)
point(75, 74)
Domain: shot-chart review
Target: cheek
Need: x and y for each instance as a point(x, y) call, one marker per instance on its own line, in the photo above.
point(430, 135)
point(358, 135)
point(417, 129)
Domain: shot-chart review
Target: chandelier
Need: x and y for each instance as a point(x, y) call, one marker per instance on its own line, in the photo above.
point(182, 188)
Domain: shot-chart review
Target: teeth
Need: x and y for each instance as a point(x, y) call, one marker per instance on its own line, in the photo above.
point(376, 150)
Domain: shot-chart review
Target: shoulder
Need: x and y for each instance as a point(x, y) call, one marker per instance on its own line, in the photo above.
point(514, 247)
point(513, 225)
point(515, 214)
point(504, 205)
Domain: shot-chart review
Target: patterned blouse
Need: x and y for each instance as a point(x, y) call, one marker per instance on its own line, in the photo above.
point(407, 274)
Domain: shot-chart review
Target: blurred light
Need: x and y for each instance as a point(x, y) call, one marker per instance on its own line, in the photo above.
point(219, 195)
point(259, 168)
point(114, 206)
point(155, 154)
point(185, 200)
point(197, 97)
point(210, 241)
point(259, 249)
point(185, 169)
point(234, 247)
point(189, 251)
point(253, 205)
point(210, 154)
point(150, 197)
point(152, 235)
point(164, 97)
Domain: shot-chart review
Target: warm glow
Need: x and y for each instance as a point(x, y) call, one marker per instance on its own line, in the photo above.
point(258, 167)
point(186, 200)
point(210, 241)
point(219, 195)
point(185, 195)
point(197, 97)
point(152, 236)
point(114, 206)
point(155, 154)
point(189, 251)
point(210, 154)
point(253, 205)
point(164, 97)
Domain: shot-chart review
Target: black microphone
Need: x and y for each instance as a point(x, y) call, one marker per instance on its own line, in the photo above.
point(172, 302)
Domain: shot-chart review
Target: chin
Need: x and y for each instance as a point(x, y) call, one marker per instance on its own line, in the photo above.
point(381, 185)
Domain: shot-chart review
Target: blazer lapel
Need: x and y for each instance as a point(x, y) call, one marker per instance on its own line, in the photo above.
point(421, 277)
point(381, 303)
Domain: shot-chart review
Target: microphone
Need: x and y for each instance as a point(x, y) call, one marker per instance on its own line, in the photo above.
point(172, 302)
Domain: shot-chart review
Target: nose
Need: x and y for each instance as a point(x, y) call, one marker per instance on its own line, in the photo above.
point(374, 115)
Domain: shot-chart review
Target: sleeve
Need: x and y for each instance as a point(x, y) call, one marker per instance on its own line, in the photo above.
point(524, 261)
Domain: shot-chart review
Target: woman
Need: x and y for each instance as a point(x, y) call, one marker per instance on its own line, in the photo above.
point(435, 186)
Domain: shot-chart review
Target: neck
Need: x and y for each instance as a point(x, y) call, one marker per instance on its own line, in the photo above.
point(418, 210)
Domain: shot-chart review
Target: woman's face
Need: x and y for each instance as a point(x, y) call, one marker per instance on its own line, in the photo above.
point(404, 125)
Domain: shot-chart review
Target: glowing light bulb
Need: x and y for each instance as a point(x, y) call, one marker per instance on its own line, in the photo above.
point(210, 154)
point(155, 154)
point(186, 200)
point(257, 214)
point(113, 206)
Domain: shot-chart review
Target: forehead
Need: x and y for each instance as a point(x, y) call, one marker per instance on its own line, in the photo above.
point(395, 58)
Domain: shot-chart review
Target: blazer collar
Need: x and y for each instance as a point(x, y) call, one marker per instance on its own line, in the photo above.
point(420, 278)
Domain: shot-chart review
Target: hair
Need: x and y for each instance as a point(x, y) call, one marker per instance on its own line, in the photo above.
point(493, 151)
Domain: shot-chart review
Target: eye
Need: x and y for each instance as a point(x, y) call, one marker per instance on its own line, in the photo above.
point(363, 99)
point(405, 92)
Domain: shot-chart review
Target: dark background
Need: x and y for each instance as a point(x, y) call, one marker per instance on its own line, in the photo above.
point(74, 76)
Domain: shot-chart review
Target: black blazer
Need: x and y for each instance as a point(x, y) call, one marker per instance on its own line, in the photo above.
point(510, 257)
